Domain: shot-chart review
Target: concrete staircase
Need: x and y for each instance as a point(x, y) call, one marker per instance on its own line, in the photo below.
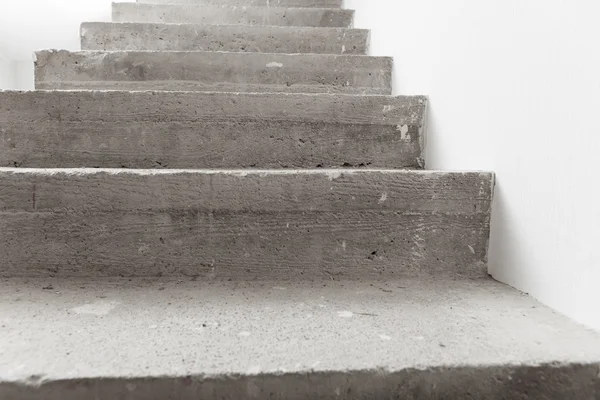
point(220, 199)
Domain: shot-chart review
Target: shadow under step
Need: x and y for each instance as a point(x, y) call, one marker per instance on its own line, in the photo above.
point(115, 129)
point(228, 15)
point(244, 224)
point(401, 339)
point(214, 71)
point(132, 36)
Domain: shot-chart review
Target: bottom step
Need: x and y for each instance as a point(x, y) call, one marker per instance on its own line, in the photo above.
point(410, 339)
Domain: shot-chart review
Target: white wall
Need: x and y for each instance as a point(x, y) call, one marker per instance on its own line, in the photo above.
point(7, 80)
point(7, 71)
point(29, 25)
point(514, 87)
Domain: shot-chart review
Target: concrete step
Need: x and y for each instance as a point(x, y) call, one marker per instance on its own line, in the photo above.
point(214, 71)
point(400, 339)
point(190, 37)
point(244, 224)
point(209, 130)
point(255, 3)
point(230, 15)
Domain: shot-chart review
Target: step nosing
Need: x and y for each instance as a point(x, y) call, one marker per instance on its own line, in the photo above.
point(237, 172)
point(337, 334)
point(257, 27)
point(209, 93)
point(225, 6)
point(233, 53)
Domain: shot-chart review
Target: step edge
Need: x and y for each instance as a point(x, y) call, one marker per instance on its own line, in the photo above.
point(309, 9)
point(332, 172)
point(326, 28)
point(255, 54)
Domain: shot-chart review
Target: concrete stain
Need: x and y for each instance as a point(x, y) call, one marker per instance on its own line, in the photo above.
point(404, 135)
point(274, 65)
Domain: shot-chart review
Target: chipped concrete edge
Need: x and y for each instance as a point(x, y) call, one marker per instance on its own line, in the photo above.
point(489, 212)
point(556, 381)
point(332, 173)
point(50, 51)
point(208, 93)
point(366, 32)
point(422, 161)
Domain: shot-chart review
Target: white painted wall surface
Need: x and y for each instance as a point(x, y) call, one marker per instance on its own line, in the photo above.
point(7, 80)
point(29, 25)
point(7, 71)
point(514, 87)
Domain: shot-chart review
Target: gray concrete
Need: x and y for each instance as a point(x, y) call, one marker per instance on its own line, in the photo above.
point(400, 339)
point(214, 71)
point(209, 130)
point(190, 37)
point(245, 224)
point(256, 3)
point(230, 15)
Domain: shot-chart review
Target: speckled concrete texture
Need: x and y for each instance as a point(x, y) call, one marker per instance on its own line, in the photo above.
point(117, 129)
point(244, 225)
point(191, 37)
point(264, 245)
point(255, 3)
point(410, 339)
point(214, 71)
point(231, 15)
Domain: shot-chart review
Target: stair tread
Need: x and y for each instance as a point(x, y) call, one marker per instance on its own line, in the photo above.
point(244, 38)
point(246, 190)
point(246, 3)
point(226, 14)
point(166, 329)
point(213, 71)
point(230, 6)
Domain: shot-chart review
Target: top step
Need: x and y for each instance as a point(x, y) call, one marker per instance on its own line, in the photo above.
point(231, 15)
point(255, 3)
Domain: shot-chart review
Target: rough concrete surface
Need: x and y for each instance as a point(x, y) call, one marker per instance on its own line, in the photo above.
point(209, 130)
point(244, 224)
point(191, 37)
point(214, 71)
point(256, 3)
point(231, 15)
point(408, 339)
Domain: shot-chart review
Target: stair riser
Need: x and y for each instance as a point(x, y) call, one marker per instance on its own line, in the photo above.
point(218, 15)
point(251, 225)
point(536, 382)
point(255, 3)
point(257, 39)
point(214, 71)
point(209, 130)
